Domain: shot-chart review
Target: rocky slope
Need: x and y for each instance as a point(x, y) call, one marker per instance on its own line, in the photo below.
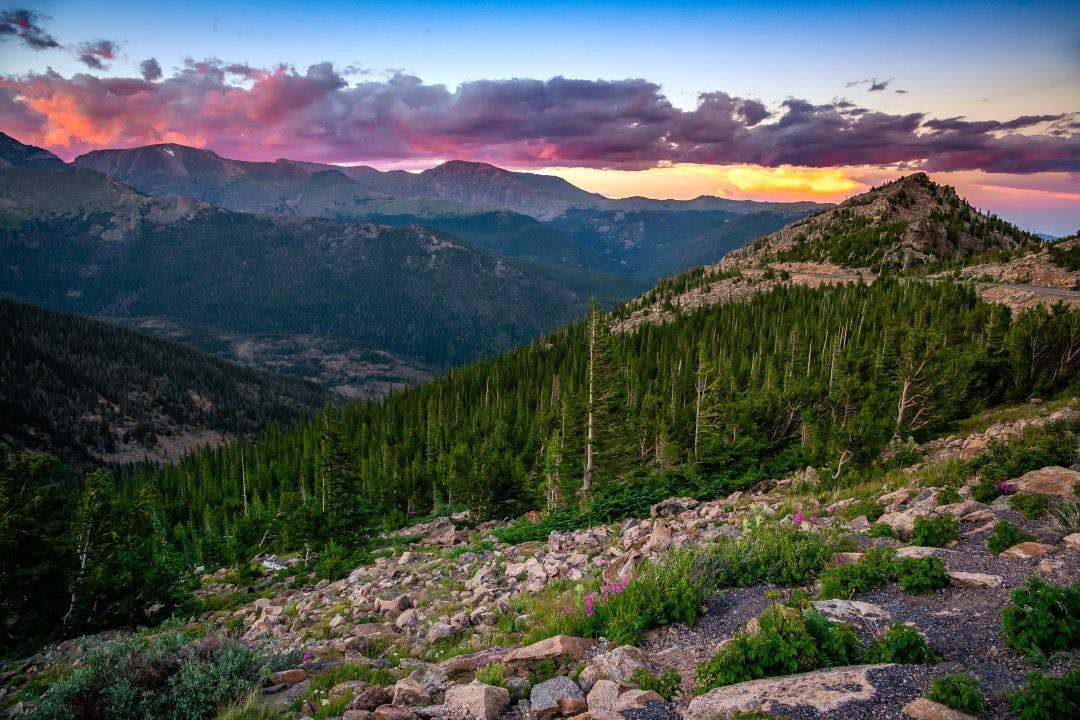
point(446, 601)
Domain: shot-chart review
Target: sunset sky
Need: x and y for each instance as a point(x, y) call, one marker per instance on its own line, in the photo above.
point(799, 101)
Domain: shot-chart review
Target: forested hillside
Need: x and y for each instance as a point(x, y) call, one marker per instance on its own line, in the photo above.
point(94, 392)
point(711, 402)
point(73, 240)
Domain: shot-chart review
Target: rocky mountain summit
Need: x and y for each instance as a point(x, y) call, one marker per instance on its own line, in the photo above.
point(454, 619)
point(910, 227)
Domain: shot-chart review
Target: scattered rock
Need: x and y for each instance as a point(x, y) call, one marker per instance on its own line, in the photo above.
point(394, 712)
point(480, 701)
point(439, 631)
point(1053, 480)
point(821, 690)
point(633, 699)
point(973, 580)
point(408, 692)
point(552, 648)
point(288, 677)
point(618, 665)
point(603, 695)
point(1027, 550)
point(357, 715)
point(923, 709)
point(1073, 541)
point(568, 706)
point(545, 696)
point(846, 558)
point(372, 698)
point(672, 506)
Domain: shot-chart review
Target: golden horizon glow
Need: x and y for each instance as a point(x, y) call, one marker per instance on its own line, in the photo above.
point(686, 181)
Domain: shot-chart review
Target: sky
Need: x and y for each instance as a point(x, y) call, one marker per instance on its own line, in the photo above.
point(796, 101)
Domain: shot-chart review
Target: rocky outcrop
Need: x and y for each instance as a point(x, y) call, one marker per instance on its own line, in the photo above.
point(821, 691)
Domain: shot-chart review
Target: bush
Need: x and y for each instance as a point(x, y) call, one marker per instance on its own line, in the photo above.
point(875, 568)
point(166, 676)
point(1043, 617)
point(900, 644)
point(922, 576)
point(777, 554)
point(1006, 535)
point(960, 692)
point(948, 495)
point(787, 641)
point(493, 674)
point(1047, 697)
point(666, 685)
point(1032, 506)
point(870, 509)
point(661, 594)
point(881, 530)
point(935, 531)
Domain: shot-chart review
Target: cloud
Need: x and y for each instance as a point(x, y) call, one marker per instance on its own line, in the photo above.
point(876, 86)
point(94, 54)
point(25, 26)
point(257, 113)
point(150, 69)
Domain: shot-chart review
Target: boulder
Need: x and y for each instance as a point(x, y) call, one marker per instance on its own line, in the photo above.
point(394, 712)
point(1072, 541)
point(862, 615)
point(846, 558)
point(408, 692)
point(369, 634)
point(288, 677)
point(545, 696)
point(603, 695)
point(973, 580)
point(371, 698)
point(672, 507)
point(821, 691)
point(915, 552)
point(903, 523)
point(438, 631)
point(552, 648)
point(1053, 480)
point(923, 709)
point(618, 665)
point(634, 699)
point(1027, 550)
point(570, 706)
point(479, 701)
point(395, 606)
point(357, 715)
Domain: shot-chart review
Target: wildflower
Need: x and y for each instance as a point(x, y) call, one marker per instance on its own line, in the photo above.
point(1005, 487)
point(307, 656)
point(798, 517)
point(589, 604)
point(813, 518)
point(831, 509)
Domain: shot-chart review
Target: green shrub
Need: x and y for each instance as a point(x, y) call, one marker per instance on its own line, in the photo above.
point(960, 692)
point(1045, 697)
point(900, 644)
point(880, 530)
point(870, 509)
point(1043, 617)
point(663, 593)
point(1032, 506)
point(875, 568)
point(935, 531)
point(165, 676)
point(666, 685)
point(948, 495)
point(787, 641)
point(772, 553)
point(1004, 536)
point(493, 674)
point(922, 576)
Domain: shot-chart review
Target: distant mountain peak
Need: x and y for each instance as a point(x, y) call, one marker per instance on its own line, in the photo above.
point(20, 155)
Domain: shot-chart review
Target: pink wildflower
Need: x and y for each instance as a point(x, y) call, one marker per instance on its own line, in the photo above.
point(307, 656)
point(589, 599)
point(798, 517)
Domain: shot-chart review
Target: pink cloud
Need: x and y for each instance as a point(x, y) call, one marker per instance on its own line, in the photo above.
point(255, 113)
